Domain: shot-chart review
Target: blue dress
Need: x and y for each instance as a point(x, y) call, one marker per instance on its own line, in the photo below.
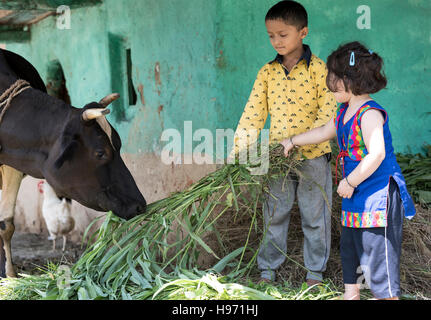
point(367, 208)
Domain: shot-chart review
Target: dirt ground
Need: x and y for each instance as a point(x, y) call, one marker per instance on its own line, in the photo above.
point(30, 251)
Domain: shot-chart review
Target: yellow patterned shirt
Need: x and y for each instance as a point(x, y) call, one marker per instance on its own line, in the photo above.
point(297, 101)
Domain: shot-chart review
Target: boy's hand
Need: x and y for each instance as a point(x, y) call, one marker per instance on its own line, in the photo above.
point(345, 190)
point(288, 145)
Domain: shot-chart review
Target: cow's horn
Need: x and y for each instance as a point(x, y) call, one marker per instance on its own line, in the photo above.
point(90, 114)
point(108, 99)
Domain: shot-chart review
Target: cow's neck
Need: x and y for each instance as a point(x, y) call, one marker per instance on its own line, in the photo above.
point(29, 128)
point(6, 81)
point(7, 76)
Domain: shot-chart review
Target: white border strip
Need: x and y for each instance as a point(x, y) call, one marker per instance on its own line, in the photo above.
point(387, 264)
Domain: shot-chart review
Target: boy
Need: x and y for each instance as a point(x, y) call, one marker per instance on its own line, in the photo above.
point(292, 89)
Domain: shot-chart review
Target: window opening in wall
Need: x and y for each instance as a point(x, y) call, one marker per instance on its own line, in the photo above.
point(131, 88)
point(56, 82)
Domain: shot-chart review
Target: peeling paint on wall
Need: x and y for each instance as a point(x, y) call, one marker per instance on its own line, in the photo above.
point(157, 74)
point(141, 93)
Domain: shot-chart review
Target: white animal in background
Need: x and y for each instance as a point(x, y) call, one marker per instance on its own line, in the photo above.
point(57, 213)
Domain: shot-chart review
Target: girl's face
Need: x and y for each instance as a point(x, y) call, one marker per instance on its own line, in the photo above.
point(341, 95)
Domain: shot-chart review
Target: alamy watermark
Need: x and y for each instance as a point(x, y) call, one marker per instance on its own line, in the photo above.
point(63, 18)
point(364, 278)
point(364, 20)
point(64, 275)
point(179, 148)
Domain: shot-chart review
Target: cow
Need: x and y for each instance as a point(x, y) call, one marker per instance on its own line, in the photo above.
point(76, 150)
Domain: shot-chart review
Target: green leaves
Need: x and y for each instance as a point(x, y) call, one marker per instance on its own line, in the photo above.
point(416, 170)
point(158, 254)
point(219, 267)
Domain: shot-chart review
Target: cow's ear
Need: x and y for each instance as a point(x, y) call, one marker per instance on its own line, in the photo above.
point(67, 154)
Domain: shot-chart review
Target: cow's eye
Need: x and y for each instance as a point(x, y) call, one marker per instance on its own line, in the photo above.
point(100, 154)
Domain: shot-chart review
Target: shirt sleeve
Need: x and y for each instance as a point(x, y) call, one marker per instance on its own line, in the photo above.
point(255, 113)
point(327, 105)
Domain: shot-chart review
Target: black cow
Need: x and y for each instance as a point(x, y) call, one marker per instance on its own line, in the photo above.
point(75, 149)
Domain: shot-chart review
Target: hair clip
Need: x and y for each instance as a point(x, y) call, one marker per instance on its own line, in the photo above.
point(352, 59)
point(370, 51)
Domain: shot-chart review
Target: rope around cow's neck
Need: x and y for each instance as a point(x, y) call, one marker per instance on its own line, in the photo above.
point(15, 89)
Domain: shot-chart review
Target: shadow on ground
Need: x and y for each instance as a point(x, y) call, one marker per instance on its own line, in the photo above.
point(30, 251)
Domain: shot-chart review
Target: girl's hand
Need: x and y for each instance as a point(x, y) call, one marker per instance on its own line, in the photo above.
point(344, 189)
point(288, 145)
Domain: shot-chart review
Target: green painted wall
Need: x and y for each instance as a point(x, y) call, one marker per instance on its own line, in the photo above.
point(197, 60)
point(400, 32)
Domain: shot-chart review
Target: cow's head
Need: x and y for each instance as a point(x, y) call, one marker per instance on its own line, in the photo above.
point(85, 163)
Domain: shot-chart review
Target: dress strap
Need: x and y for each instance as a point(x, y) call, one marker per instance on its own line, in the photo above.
point(340, 157)
point(367, 107)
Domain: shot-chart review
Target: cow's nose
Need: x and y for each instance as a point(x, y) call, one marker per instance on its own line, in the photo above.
point(135, 209)
point(140, 208)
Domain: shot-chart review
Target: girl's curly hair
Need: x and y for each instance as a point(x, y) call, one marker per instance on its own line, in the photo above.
point(364, 76)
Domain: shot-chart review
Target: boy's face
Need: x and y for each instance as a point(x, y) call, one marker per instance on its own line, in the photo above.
point(285, 38)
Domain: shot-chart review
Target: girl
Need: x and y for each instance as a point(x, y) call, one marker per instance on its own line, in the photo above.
point(373, 189)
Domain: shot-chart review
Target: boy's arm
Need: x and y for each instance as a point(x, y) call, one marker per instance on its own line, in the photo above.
point(327, 105)
point(254, 116)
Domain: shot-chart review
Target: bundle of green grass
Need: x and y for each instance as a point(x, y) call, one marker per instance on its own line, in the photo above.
point(200, 243)
point(182, 247)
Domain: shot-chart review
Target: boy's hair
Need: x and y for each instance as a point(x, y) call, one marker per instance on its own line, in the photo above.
point(291, 12)
point(361, 72)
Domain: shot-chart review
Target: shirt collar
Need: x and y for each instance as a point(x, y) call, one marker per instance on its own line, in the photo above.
point(306, 55)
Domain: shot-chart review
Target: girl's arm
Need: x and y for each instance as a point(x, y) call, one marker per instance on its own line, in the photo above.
point(314, 136)
point(372, 132)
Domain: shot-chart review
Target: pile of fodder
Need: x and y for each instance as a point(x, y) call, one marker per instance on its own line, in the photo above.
point(131, 259)
point(203, 242)
point(416, 255)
